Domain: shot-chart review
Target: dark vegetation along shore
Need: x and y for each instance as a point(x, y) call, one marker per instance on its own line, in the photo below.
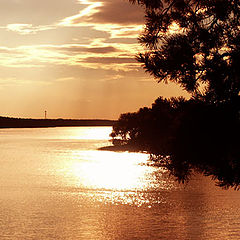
point(7, 122)
point(185, 136)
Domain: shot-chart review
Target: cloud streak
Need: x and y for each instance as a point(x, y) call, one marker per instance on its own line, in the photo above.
point(100, 56)
point(77, 49)
point(90, 9)
point(25, 29)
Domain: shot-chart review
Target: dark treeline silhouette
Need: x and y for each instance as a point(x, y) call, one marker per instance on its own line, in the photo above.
point(202, 55)
point(7, 122)
point(185, 136)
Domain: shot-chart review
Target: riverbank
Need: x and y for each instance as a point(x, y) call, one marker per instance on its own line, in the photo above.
point(8, 122)
point(121, 148)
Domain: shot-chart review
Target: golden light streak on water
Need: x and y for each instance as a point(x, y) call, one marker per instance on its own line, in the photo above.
point(109, 170)
point(89, 133)
point(113, 177)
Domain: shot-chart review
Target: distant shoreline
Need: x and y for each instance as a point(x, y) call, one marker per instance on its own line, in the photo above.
point(9, 122)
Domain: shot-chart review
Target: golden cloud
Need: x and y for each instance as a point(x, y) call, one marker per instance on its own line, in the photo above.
point(96, 55)
point(27, 28)
point(105, 16)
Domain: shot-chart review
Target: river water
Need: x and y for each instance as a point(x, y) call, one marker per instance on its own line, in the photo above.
point(55, 184)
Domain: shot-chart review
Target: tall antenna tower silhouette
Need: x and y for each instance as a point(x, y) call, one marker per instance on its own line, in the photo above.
point(45, 114)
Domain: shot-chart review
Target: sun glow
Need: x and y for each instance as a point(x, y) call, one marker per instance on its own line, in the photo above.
point(174, 28)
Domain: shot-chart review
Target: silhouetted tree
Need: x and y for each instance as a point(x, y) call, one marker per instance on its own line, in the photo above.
point(195, 43)
point(185, 136)
point(147, 129)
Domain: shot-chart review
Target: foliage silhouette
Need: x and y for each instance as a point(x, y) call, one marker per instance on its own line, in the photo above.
point(196, 44)
point(185, 136)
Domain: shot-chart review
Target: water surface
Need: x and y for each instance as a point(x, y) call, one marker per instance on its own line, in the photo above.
point(55, 184)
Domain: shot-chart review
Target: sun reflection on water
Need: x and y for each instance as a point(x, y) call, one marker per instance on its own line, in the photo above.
point(108, 170)
point(112, 177)
point(90, 133)
point(106, 176)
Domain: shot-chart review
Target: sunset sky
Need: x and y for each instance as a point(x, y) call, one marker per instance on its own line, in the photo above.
point(74, 59)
